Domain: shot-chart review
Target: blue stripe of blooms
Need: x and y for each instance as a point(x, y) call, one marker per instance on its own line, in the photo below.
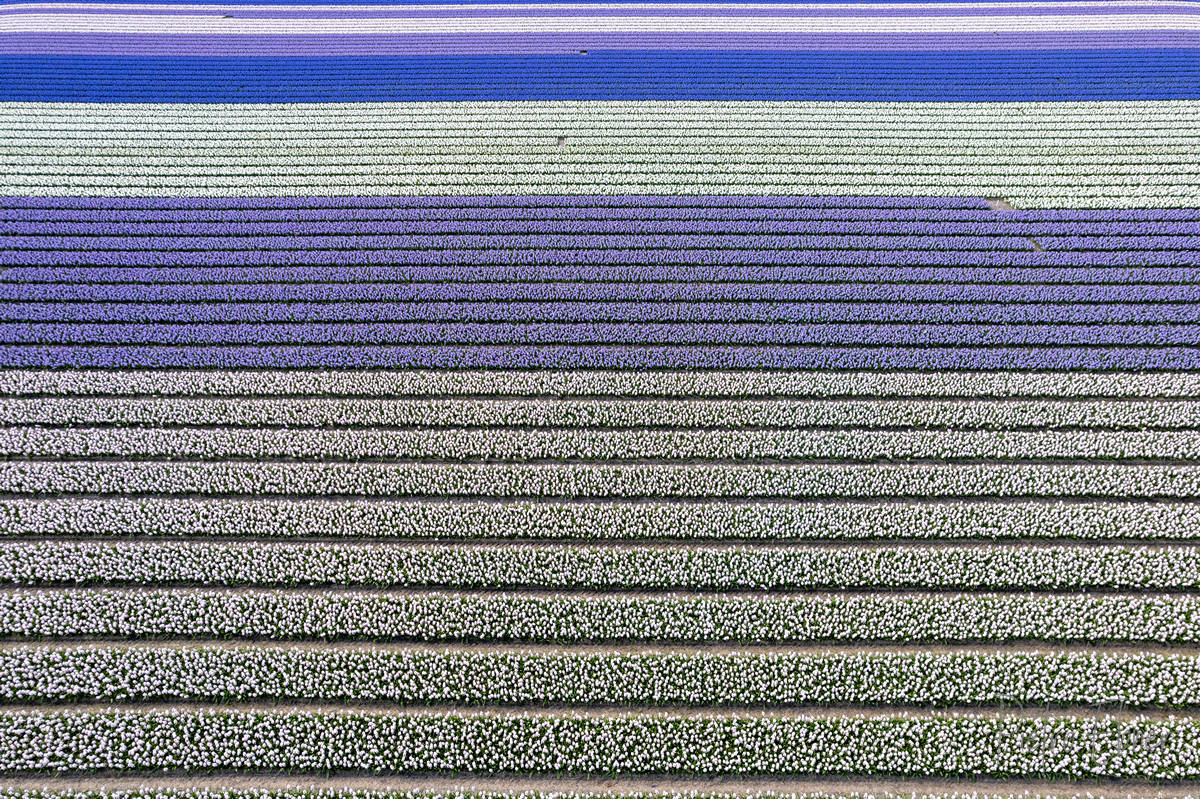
point(487, 2)
point(1114, 74)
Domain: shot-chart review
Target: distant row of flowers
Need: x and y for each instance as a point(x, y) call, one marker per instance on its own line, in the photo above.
point(732, 521)
point(573, 567)
point(544, 617)
point(918, 745)
point(476, 677)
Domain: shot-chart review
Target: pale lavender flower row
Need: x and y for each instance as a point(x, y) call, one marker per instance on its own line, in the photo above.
point(513, 309)
point(584, 259)
point(601, 356)
point(273, 295)
point(258, 234)
point(602, 333)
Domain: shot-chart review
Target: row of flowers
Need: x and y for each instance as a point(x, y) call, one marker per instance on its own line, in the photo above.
point(598, 445)
point(916, 745)
point(351, 793)
point(579, 210)
point(599, 481)
point(564, 384)
point(1048, 414)
point(91, 673)
point(433, 616)
point(1073, 295)
point(1109, 357)
point(569, 567)
point(684, 521)
point(518, 308)
point(606, 333)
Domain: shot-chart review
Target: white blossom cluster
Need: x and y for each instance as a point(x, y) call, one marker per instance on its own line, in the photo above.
point(566, 383)
point(435, 616)
point(598, 481)
point(601, 743)
point(598, 445)
point(575, 567)
point(416, 676)
point(1050, 414)
point(347, 518)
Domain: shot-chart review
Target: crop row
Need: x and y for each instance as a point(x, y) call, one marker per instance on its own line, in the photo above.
point(599, 445)
point(579, 209)
point(571, 333)
point(582, 618)
point(456, 793)
point(423, 676)
point(462, 793)
point(591, 567)
point(613, 264)
point(1054, 191)
point(617, 384)
point(580, 480)
point(685, 521)
point(516, 308)
point(678, 163)
point(185, 297)
point(115, 227)
point(294, 741)
point(357, 793)
point(1132, 116)
point(1048, 414)
point(1111, 357)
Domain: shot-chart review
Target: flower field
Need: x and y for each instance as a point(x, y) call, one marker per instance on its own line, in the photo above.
point(646, 399)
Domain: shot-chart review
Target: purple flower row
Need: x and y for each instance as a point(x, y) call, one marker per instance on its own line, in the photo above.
point(1004, 272)
point(617, 241)
point(585, 258)
point(635, 333)
point(565, 292)
point(259, 233)
point(599, 310)
point(611, 357)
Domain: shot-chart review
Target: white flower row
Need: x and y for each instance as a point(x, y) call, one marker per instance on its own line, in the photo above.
point(572, 567)
point(1081, 195)
point(603, 146)
point(598, 481)
point(683, 413)
point(91, 673)
point(434, 616)
point(595, 445)
point(1127, 115)
point(313, 792)
point(639, 743)
point(678, 160)
point(566, 383)
point(357, 793)
point(1179, 521)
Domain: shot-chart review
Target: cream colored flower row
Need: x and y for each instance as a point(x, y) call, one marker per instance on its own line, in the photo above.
point(575, 567)
point(419, 676)
point(919, 745)
point(1167, 521)
point(599, 481)
point(691, 384)
point(579, 618)
point(700, 413)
